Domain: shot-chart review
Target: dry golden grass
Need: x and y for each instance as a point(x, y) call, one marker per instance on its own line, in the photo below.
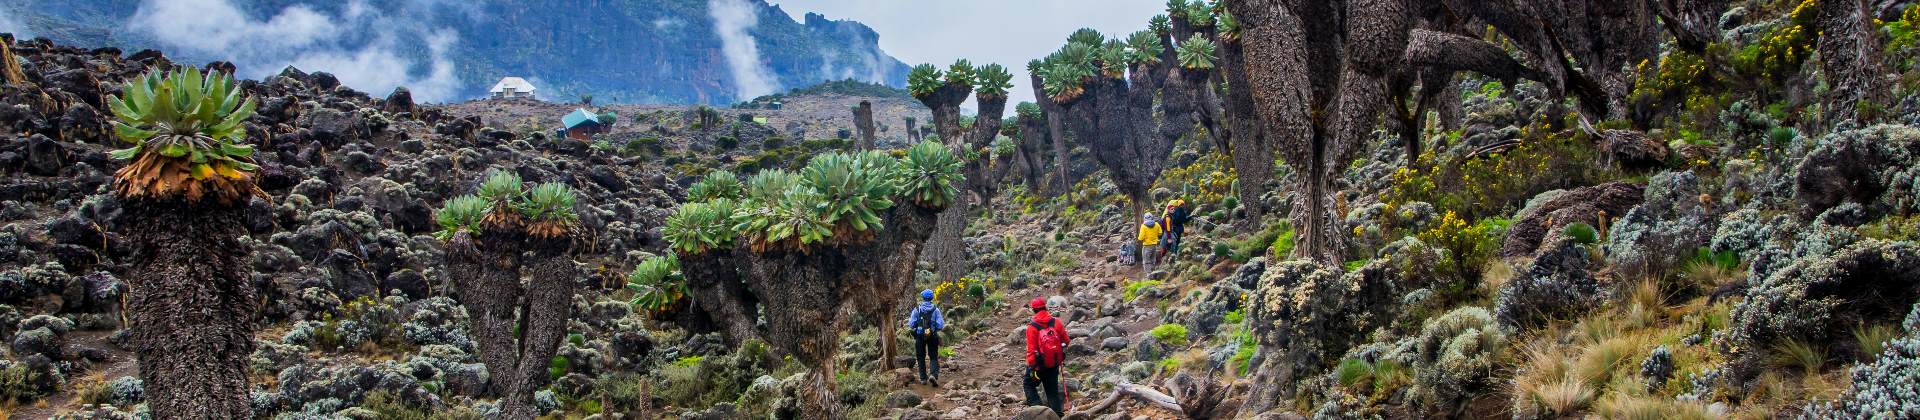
point(90, 389)
point(1496, 274)
point(1559, 397)
point(1628, 407)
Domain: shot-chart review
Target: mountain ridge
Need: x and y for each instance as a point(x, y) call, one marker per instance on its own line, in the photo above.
point(643, 51)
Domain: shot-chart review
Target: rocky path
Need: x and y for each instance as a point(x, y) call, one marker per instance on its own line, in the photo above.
point(983, 378)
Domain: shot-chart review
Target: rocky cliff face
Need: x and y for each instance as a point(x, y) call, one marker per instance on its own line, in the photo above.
point(648, 51)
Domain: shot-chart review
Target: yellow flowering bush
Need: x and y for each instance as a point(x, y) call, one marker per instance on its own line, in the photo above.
point(1467, 246)
point(1208, 180)
point(1781, 52)
point(963, 291)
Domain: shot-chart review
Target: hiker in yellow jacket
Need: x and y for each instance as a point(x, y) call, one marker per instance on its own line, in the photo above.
point(1151, 228)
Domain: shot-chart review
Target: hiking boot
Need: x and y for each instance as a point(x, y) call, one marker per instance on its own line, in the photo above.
point(935, 382)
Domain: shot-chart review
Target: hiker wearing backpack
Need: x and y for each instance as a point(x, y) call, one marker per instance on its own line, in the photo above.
point(925, 323)
point(1151, 229)
point(1175, 220)
point(1046, 351)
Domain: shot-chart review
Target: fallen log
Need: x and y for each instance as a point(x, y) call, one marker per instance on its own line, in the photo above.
point(1124, 389)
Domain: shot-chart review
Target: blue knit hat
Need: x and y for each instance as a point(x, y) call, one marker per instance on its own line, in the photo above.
point(926, 294)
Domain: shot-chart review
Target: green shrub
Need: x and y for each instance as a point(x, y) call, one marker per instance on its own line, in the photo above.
point(1582, 233)
point(1282, 245)
point(1243, 354)
point(1724, 260)
point(698, 227)
point(557, 367)
point(1132, 290)
point(1170, 334)
point(928, 173)
point(1367, 378)
point(689, 361)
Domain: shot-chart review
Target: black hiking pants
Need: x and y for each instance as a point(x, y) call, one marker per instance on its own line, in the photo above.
point(1048, 378)
point(926, 354)
point(1172, 241)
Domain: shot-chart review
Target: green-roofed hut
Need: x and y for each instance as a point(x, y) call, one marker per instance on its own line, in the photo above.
point(582, 124)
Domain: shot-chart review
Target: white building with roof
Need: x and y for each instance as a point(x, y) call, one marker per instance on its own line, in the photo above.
point(512, 87)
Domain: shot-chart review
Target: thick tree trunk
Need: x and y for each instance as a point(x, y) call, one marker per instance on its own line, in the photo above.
point(1056, 133)
point(949, 254)
point(549, 305)
point(192, 306)
point(488, 278)
point(808, 301)
point(863, 123)
point(1251, 151)
point(945, 103)
point(882, 271)
point(713, 279)
point(1277, 53)
point(1033, 140)
point(1850, 48)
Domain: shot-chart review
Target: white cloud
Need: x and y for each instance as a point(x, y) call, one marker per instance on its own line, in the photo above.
point(311, 40)
point(731, 19)
point(10, 23)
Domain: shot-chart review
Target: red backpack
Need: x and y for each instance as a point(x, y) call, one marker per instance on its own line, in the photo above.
point(1050, 343)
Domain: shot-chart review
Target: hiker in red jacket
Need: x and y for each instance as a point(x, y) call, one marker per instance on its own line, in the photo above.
point(1046, 350)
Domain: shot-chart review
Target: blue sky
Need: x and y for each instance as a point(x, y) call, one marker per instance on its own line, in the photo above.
point(1008, 32)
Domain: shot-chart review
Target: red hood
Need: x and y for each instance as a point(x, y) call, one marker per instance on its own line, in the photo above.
point(1042, 317)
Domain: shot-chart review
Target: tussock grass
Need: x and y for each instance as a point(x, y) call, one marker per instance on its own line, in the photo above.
point(1629, 407)
point(1872, 339)
point(1798, 355)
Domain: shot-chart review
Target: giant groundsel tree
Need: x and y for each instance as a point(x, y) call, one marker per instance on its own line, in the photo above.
point(943, 92)
point(846, 229)
point(188, 181)
point(503, 233)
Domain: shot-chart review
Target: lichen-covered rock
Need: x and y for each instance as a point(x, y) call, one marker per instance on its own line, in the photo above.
point(23, 284)
point(1305, 314)
point(1247, 276)
point(1210, 310)
point(1660, 233)
point(1632, 149)
point(96, 292)
point(1539, 222)
point(38, 341)
point(1559, 283)
point(1877, 167)
point(1815, 299)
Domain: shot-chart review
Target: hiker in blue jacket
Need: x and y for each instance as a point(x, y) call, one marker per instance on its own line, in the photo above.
point(926, 322)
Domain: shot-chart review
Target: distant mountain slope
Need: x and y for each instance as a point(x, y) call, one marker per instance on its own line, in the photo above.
point(642, 51)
